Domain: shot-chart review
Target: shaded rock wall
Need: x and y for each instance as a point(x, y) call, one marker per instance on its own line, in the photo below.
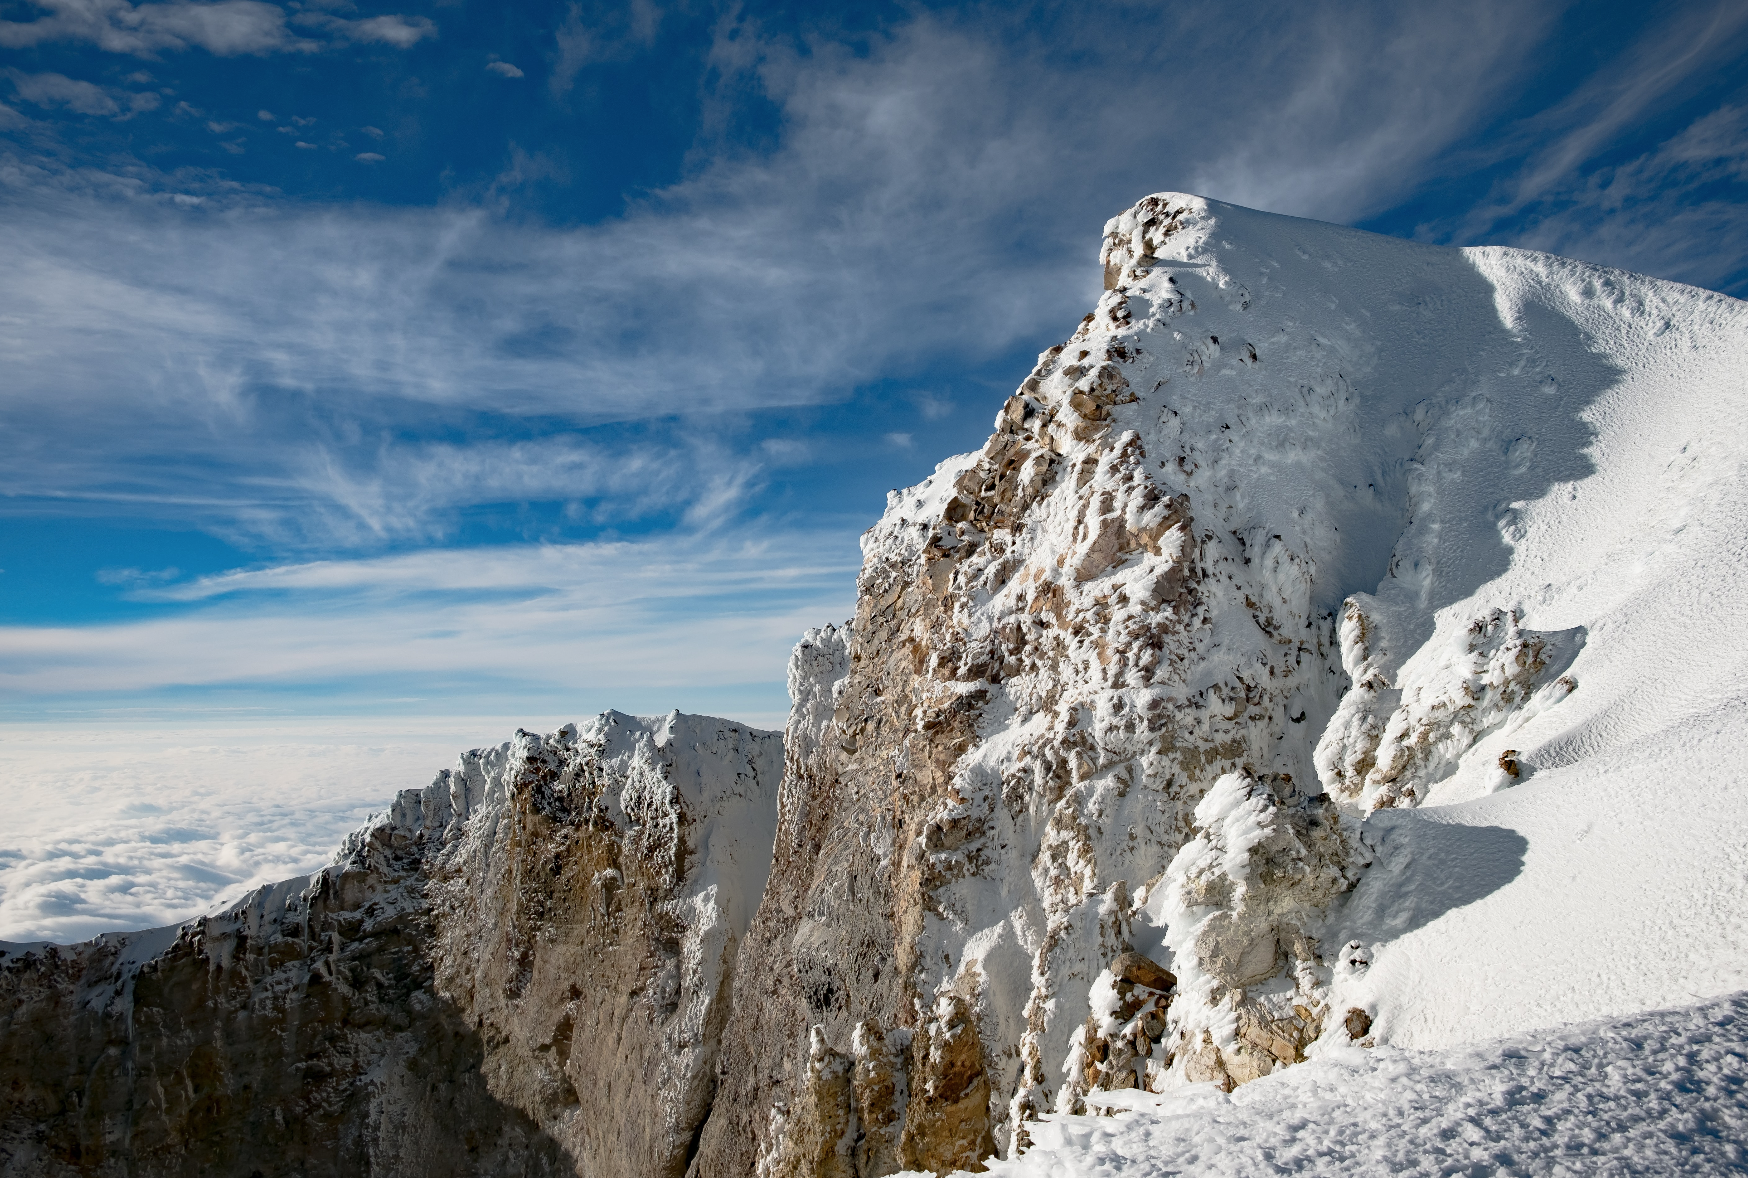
point(546, 929)
point(297, 1034)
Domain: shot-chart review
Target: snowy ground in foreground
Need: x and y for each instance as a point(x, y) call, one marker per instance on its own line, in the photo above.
point(116, 828)
point(1653, 1094)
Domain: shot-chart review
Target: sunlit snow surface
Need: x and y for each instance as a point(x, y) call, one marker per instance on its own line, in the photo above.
point(1652, 1094)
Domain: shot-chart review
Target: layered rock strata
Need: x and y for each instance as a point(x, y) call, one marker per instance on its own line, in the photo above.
point(521, 969)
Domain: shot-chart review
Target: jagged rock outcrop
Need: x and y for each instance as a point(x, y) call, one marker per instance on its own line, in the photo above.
point(1243, 902)
point(1403, 728)
point(521, 969)
point(1074, 716)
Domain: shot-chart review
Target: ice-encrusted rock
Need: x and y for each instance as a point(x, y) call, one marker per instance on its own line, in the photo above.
point(1136, 590)
point(545, 931)
point(1243, 903)
point(1403, 728)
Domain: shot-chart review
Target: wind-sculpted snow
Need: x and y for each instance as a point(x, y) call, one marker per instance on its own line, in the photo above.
point(1656, 1094)
point(1266, 547)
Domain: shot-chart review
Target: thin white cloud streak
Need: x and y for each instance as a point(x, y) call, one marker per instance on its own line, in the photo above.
point(402, 32)
point(1689, 45)
point(401, 491)
point(672, 612)
point(935, 199)
point(601, 32)
point(1675, 210)
point(226, 28)
point(1355, 120)
point(52, 90)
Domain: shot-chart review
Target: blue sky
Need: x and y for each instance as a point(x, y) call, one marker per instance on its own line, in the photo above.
point(452, 358)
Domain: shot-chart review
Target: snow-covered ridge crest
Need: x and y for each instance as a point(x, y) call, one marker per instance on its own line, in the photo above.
point(1284, 525)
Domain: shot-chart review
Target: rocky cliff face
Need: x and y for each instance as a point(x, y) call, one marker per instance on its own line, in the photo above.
point(1062, 824)
point(1070, 804)
point(522, 969)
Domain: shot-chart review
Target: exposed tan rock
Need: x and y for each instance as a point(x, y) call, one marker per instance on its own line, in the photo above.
point(818, 1135)
point(548, 928)
point(881, 1090)
point(947, 1122)
point(1122, 1043)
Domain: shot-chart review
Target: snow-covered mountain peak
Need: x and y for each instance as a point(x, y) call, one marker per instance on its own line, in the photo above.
point(1340, 524)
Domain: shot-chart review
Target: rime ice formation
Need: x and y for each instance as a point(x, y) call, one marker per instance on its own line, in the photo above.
point(1330, 642)
point(1271, 551)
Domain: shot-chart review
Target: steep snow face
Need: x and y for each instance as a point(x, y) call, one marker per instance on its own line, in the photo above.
point(1350, 526)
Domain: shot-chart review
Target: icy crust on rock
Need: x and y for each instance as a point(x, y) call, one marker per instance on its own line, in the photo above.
point(694, 792)
point(1270, 544)
point(547, 928)
point(817, 665)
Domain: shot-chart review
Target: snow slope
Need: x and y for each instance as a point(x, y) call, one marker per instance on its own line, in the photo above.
point(1562, 441)
point(1594, 464)
point(1658, 1093)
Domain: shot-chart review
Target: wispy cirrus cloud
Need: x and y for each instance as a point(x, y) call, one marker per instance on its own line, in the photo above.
point(1353, 122)
point(226, 28)
point(1677, 208)
point(596, 32)
point(686, 612)
point(934, 199)
point(1559, 145)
